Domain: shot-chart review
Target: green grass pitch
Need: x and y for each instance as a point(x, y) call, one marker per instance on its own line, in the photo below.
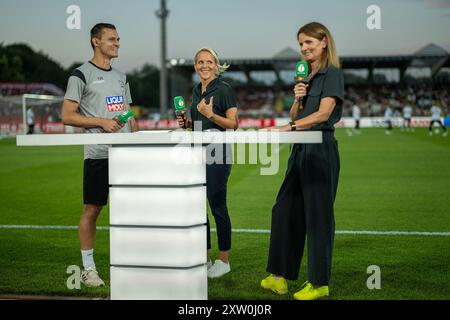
point(399, 182)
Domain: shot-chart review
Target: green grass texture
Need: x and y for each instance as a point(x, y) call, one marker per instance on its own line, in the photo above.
point(398, 182)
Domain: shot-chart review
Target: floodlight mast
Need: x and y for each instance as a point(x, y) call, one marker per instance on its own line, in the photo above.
point(162, 14)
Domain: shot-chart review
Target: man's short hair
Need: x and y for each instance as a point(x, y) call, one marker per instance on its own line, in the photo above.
point(96, 31)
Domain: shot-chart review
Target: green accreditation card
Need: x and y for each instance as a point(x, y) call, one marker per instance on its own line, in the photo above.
point(179, 103)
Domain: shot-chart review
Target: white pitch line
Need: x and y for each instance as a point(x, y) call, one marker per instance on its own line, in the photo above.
point(12, 226)
point(368, 232)
point(353, 232)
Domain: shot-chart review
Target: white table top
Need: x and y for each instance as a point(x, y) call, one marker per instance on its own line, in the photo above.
point(170, 137)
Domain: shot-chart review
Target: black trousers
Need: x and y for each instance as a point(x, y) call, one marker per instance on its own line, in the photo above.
point(406, 122)
point(439, 122)
point(216, 191)
point(389, 124)
point(304, 211)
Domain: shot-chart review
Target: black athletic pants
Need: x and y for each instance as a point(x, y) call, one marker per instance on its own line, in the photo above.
point(439, 122)
point(216, 191)
point(304, 211)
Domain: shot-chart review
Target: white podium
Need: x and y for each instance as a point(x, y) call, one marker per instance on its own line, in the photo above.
point(158, 206)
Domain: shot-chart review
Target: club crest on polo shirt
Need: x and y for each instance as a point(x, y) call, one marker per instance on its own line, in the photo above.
point(115, 103)
point(122, 84)
point(99, 80)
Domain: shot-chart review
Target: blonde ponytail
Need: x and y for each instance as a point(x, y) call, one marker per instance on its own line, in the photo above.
point(221, 68)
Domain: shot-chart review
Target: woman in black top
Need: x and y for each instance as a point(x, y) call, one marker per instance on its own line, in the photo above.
point(304, 205)
point(214, 107)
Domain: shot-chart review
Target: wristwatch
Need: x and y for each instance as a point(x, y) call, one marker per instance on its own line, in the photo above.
point(293, 126)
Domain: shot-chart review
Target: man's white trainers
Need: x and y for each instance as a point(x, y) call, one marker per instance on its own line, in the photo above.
point(90, 278)
point(218, 269)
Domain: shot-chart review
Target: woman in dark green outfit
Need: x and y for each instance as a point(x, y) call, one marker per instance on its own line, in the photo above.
point(214, 107)
point(303, 210)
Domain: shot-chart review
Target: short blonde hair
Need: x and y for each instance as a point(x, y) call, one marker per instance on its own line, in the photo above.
point(221, 68)
point(319, 32)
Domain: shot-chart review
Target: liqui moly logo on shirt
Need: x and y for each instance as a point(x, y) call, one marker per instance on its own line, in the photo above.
point(115, 103)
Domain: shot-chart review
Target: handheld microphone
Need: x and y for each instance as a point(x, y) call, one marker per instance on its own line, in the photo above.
point(180, 109)
point(124, 116)
point(301, 74)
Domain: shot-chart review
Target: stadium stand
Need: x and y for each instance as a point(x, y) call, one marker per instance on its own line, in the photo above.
point(258, 99)
point(14, 89)
point(264, 89)
point(47, 108)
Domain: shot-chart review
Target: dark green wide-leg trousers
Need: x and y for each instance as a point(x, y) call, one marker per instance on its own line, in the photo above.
point(303, 211)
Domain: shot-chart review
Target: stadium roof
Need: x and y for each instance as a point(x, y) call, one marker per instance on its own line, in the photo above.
point(26, 87)
point(286, 53)
point(431, 56)
point(431, 50)
point(428, 56)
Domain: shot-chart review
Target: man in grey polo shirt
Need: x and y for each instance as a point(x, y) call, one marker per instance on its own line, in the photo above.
point(96, 94)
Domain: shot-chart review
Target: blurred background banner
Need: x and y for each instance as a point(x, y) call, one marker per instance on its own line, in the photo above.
point(388, 58)
point(393, 204)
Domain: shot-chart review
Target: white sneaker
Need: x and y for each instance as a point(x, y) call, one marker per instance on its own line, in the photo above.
point(219, 269)
point(90, 278)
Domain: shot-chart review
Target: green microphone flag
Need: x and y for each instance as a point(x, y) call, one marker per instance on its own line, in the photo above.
point(179, 103)
point(301, 72)
point(301, 76)
point(180, 108)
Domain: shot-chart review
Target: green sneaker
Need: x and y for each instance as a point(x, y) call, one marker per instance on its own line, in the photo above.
point(309, 292)
point(278, 286)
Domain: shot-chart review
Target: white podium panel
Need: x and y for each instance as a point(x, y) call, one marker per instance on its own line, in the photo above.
point(158, 206)
point(174, 206)
point(159, 284)
point(158, 222)
point(156, 165)
point(158, 247)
